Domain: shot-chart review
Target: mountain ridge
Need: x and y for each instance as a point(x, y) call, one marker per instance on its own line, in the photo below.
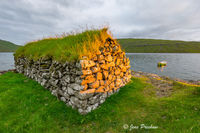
point(134, 45)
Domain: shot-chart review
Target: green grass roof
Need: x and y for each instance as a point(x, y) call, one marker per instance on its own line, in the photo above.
point(66, 48)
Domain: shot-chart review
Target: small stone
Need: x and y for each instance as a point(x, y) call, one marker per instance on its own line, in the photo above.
point(96, 69)
point(72, 78)
point(59, 74)
point(66, 79)
point(95, 84)
point(83, 104)
point(70, 103)
point(95, 106)
point(78, 65)
point(93, 100)
point(64, 88)
point(60, 92)
point(108, 58)
point(45, 75)
point(79, 72)
point(80, 111)
point(74, 101)
point(78, 80)
point(54, 92)
point(87, 72)
point(101, 101)
point(65, 64)
point(91, 63)
point(105, 74)
point(89, 109)
point(70, 91)
point(43, 82)
point(99, 76)
point(63, 99)
point(83, 96)
point(66, 95)
point(54, 82)
point(76, 86)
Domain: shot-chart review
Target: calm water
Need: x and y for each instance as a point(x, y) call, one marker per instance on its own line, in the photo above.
point(6, 61)
point(184, 66)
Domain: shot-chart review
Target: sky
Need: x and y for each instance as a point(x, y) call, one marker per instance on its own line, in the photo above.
point(22, 21)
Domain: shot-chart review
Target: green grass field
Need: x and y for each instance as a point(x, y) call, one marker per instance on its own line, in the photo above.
point(25, 106)
point(6, 46)
point(159, 46)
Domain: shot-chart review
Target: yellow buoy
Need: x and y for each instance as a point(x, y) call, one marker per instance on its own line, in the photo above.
point(162, 63)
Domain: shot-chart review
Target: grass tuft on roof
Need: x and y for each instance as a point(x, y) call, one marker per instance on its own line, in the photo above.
point(66, 48)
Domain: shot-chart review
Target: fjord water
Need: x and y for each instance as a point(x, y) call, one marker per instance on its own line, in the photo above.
point(184, 66)
point(180, 65)
point(6, 61)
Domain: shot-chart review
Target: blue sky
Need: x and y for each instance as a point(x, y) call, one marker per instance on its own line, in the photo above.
point(22, 21)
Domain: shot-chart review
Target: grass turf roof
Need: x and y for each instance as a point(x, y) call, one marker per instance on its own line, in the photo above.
point(66, 48)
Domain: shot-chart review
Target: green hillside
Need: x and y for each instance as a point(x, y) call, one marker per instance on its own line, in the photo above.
point(159, 46)
point(137, 46)
point(6, 46)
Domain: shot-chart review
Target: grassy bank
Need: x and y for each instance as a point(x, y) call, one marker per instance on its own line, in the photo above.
point(159, 46)
point(6, 46)
point(25, 106)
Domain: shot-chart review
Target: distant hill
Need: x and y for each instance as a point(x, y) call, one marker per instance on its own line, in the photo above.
point(6, 46)
point(159, 46)
point(132, 45)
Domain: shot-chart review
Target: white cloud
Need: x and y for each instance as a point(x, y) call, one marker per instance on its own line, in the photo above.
point(25, 20)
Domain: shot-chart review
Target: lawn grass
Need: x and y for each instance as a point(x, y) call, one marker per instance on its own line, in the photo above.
point(25, 106)
point(159, 46)
point(65, 48)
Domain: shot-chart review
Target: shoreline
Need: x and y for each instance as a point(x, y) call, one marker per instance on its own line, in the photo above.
point(5, 71)
point(164, 86)
point(153, 75)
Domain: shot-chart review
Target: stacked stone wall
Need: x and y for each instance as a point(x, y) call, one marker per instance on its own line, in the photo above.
point(83, 84)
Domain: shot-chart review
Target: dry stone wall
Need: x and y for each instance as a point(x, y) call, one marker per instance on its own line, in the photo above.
point(84, 84)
